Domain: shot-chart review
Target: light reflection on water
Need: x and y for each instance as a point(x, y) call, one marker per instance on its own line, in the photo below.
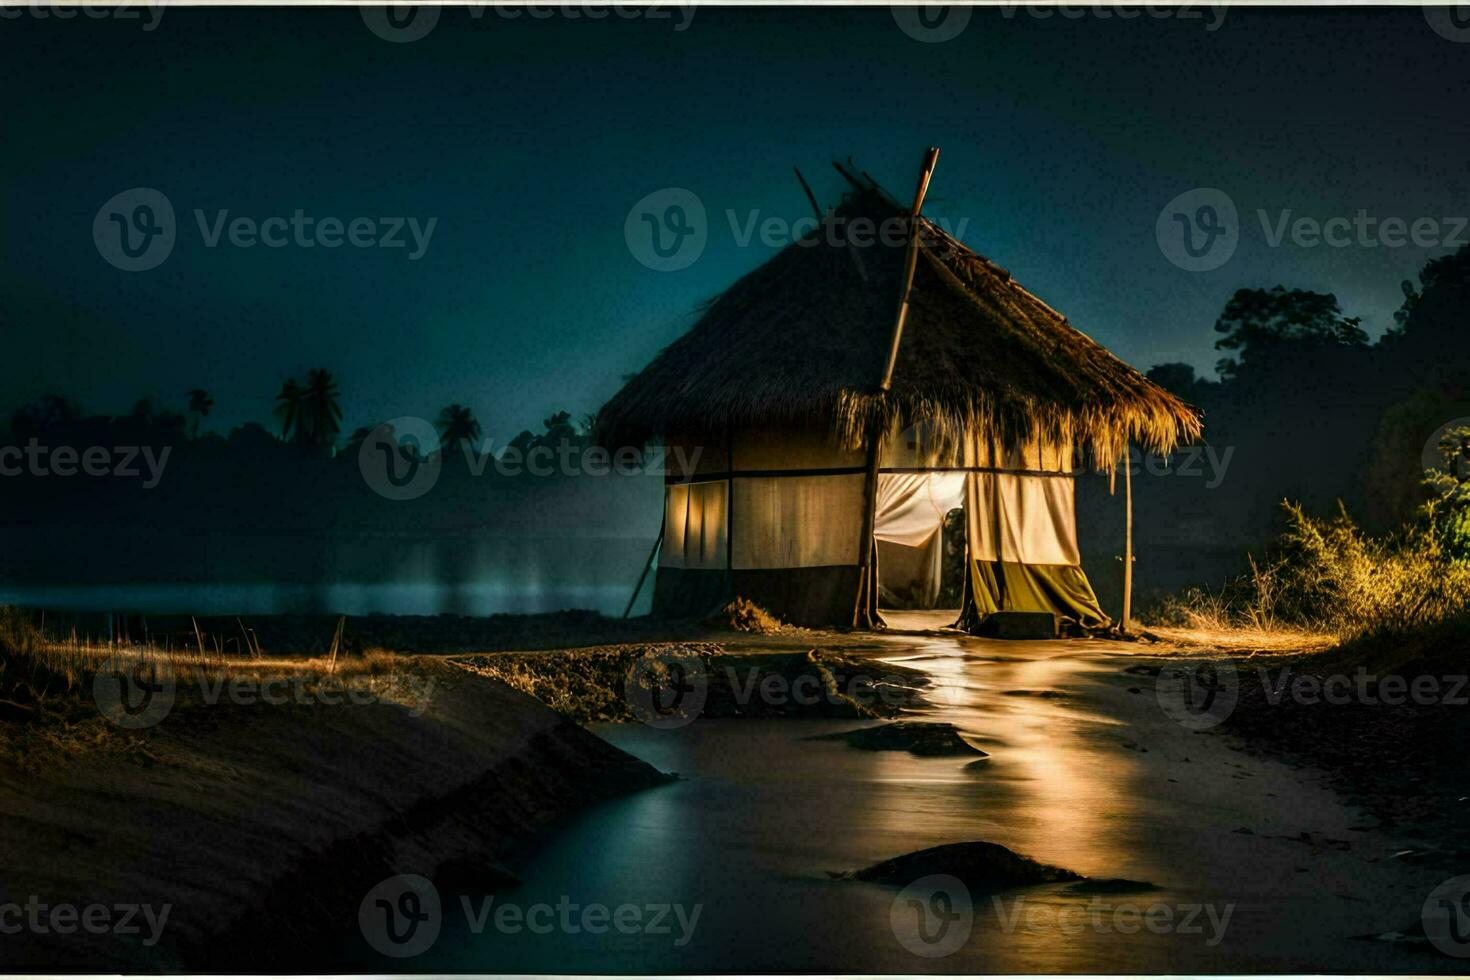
point(764, 814)
point(349, 574)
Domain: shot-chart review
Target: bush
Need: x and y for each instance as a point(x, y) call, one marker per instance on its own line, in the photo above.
point(1326, 574)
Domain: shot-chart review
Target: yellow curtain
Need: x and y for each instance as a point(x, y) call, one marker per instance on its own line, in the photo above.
point(1007, 586)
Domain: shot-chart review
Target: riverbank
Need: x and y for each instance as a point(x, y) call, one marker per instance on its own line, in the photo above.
point(260, 821)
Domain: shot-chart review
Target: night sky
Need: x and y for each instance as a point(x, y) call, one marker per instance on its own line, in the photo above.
point(530, 139)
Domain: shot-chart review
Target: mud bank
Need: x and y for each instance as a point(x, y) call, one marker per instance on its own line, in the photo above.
point(593, 684)
point(261, 827)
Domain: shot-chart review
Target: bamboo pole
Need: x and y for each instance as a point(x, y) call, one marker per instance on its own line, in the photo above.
point(931, 157)
point(866, 586)
point(1127, 542)
point(646, 566)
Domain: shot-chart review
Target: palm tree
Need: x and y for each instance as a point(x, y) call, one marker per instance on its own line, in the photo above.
point(458, 427)
point(288, 410)
point(199, 405)
point(320, 416)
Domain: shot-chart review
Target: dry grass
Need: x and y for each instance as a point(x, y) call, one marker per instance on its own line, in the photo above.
point(1243, 639)
point(1326, 583)
point(46, 684)
point(744, 616)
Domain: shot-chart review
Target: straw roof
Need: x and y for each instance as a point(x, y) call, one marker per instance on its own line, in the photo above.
point(803, 341)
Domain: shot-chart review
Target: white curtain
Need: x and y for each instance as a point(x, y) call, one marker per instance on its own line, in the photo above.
point(907, 524)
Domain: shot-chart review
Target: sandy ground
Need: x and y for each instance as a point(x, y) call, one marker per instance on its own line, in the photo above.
point(263, 825)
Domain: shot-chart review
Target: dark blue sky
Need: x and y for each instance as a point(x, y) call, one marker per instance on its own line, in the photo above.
point(530, 140)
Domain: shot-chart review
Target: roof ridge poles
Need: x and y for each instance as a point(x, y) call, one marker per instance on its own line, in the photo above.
point(857, 260)
point(931, 157)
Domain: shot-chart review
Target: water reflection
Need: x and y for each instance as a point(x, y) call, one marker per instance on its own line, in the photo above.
point(335, 573)
point(764, 814)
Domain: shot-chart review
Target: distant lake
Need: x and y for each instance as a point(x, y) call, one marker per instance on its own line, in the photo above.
point(464, 573)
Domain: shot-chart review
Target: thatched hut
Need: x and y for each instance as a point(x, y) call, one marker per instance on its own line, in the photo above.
point(828, 459)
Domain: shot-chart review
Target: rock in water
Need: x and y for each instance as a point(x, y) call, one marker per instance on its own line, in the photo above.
point(982, 866)
point(918, 737)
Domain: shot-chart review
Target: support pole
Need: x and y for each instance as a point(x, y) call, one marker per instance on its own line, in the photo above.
point(863, 609)
point(861, 613)
point(1127, 542)
point(646, 566)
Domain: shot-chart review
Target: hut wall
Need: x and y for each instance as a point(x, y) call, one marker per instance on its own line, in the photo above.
point(778, 525)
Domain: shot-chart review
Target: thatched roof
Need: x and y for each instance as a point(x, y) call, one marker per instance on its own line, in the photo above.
point(803, 340)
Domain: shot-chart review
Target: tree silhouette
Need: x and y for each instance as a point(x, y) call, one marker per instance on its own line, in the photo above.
point(41, 415)
point(458, 427)
point(319, 417)
point(199, 405)
point(288, 410)
point(1261, 322)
